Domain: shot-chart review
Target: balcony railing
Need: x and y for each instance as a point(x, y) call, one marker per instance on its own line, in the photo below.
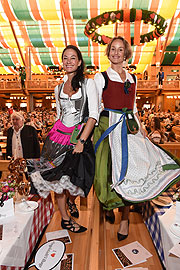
point(147, 84)
point(49, 85)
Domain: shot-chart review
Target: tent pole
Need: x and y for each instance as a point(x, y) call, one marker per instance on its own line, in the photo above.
point(63, 24)
point(19, 48)
point(166, 40)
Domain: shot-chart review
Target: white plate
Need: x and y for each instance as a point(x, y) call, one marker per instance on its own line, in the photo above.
point(23, 207)
point(175, 229)
point(163, 201)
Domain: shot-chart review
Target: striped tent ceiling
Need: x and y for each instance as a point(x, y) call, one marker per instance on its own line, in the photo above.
point(43, 27)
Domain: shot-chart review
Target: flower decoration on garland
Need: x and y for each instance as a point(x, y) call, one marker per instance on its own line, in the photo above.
point(117, 16)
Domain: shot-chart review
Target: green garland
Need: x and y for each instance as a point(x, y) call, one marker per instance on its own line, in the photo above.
point(112, 17)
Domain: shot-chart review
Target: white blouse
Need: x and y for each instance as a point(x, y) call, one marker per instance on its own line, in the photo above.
point(71, 114)
point(114, 76)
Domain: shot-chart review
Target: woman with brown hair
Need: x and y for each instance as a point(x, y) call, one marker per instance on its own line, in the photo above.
point(156, 135)
point(67, 160)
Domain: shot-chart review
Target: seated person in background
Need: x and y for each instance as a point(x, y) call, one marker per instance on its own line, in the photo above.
point(7, 126)
point(165, 136)
point(44, 133)
point(168, 128)
point(175, 122)
point(37, 124)
point(147, 125)
point(156, 135)
point(22, 140)
point(172, 137)
point(28, 121)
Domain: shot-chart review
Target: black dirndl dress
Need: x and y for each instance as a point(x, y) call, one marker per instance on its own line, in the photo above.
point(58, 169)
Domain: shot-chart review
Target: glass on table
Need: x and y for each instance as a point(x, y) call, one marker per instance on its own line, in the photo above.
point(22, 192)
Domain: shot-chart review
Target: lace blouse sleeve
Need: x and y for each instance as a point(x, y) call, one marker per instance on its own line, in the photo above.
point(92, 95)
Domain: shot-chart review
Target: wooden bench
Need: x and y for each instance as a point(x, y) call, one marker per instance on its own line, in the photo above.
point(176, 130)
point(172, 147)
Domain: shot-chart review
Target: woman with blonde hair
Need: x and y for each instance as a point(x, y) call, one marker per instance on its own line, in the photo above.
point(129, 168)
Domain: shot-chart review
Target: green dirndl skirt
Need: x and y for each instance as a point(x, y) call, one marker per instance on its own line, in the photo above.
point(103, 179)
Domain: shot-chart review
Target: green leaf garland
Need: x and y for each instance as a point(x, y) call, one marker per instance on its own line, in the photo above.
point(112, 17)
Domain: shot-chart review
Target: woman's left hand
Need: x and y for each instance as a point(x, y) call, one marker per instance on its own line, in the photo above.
point(78, 148)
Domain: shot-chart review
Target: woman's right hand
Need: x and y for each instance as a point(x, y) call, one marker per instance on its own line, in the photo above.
point(79, 147)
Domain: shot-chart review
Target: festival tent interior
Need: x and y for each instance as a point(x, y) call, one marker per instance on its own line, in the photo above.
point(37, 31)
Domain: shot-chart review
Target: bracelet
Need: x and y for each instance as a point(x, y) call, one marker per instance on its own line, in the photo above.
point(82, 141)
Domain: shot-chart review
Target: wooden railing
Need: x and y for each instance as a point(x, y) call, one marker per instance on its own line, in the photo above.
point(49, 85)
point(31, 86)
point(143, 84)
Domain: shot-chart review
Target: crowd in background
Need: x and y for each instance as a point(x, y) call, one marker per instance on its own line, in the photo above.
point(159, 125)
point(41, 119)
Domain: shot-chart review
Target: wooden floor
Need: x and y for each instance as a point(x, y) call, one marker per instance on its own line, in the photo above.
point(93, 248)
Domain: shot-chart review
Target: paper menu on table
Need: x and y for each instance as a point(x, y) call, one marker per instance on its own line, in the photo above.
point(136, 268)
point(67, 263)
point(61, 235)
point(131, 254)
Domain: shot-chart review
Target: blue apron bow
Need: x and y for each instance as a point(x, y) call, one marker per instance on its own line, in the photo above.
point(124, 143)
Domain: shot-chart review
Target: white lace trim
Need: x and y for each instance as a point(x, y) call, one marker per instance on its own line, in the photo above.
point(44, 187)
